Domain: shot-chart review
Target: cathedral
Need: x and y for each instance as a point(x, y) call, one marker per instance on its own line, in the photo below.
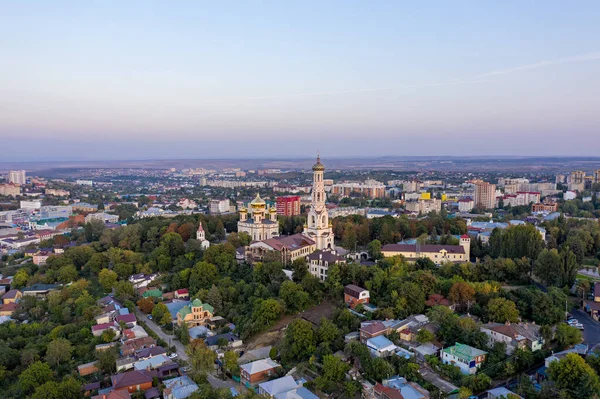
point(318, 227)
point(263, 227)
point(262, 222)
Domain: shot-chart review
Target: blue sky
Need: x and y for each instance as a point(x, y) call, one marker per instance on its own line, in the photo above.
point(195, 79)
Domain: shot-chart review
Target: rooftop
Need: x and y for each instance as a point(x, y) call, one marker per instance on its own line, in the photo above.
point(259, 366)
point(464, 351)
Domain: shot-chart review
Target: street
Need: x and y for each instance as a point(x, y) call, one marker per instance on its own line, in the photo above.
point(591, 332)
point(214, 381)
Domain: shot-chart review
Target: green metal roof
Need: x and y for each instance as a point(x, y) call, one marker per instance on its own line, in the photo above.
point(196, 303)
point(153, 293)
point(465, 352)
point(184, 311)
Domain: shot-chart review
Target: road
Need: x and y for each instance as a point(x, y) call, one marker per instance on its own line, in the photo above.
point(591, 332)
point(214, 381)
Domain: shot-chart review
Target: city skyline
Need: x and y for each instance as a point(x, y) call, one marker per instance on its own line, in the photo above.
point(255, 79)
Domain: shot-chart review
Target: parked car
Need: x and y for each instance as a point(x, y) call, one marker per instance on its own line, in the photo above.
point(173, 356)
point(149, 317)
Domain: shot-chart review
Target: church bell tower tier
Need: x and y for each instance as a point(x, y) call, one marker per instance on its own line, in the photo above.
point(318, 227)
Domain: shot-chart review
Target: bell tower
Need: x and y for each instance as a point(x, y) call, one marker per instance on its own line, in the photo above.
point(318, 227)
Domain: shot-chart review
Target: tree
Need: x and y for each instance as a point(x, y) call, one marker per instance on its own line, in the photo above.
point(266, 312)
point(574, 377)
point(159, 311)
point(203, 275)
point(300, 340)
point(501, 310)
point(35, 375)
point(107, 279)
point(20, 278)
point(349, 239)
point(374, 249)
point(215, 299)
point(201, 360)
point(106, 360)
point(424, 335)
point(58, 351)
point(293, 296)
point(67, 274)
point(124, 290)
point(568, 268)
point(334, 369)
point(146, 305)
point(299, 268)
point(220, 230)
point(461, 293)
point(183, 333)
point(566, 335)
point(230, 364)
point(327, 331)
point(547, 266)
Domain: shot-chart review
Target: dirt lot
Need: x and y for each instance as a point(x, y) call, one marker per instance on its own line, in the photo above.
point(276, 333)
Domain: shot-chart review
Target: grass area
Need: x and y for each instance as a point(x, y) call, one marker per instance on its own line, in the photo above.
point(586, 277)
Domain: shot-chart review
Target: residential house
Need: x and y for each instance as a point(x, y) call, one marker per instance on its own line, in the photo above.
point(179, 388)
point(132, 381)
point(122, 394)
point(196, 314)
point(125, 363)
point(152, 363)
point(372, 329)
point(438, 300)
point(11, 296)
point(40, 257)
point(258, 371)
point(521, 335)
point(8, 309)
point(465, 357)
point(182, 294)
point(406, 389)
point(103, 318)
point(168, 370)
point(99, 329)
point(40, 290)
point(129, 320)
point(380, 346)
point(355, 295)
point(409, 327)
point(319, 262)
point(135, 332)
point(427, 349)
point(87, 369)
point(229, 339)
point(131, 346)
point(277, 386)
point(147, 353)
point(501, 393)
point(155, 294)
point(297, 393)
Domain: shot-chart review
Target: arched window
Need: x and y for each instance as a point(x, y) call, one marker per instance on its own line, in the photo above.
point(313, 219)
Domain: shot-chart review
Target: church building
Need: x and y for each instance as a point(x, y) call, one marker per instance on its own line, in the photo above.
point(262, 222)
point(318, 227)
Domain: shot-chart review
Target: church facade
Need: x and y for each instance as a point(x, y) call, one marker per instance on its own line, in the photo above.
point(261, 223)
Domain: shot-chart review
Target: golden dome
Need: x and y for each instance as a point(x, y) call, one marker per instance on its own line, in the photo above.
point(273, 210)
point(318, 166)
point(243, 209)
point(258, 202)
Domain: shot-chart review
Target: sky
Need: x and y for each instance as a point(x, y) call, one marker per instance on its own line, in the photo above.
point(217, 79)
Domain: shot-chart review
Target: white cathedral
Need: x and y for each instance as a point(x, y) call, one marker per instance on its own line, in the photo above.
point(263, 227)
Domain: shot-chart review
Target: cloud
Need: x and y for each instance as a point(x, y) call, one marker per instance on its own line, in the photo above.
point(543, 64)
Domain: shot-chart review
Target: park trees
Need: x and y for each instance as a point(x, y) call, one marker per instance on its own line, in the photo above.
point(201, 360)
point(501, 310)
point(574, 377)
point(300, 341)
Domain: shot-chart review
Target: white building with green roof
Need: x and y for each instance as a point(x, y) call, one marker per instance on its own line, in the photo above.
point(465, 357)
point(195, 314)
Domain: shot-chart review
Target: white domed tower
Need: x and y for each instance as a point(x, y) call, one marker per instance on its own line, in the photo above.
point(318, 227)
point(201, 236)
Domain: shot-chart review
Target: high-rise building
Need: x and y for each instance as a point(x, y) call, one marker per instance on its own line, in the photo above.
point(485, 195)
point(597, 176)
point(577, 181)
point(17, 177)
point(288, 205)
point(318, 228)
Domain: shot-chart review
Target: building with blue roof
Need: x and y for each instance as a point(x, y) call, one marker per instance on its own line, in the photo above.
point(380, 346)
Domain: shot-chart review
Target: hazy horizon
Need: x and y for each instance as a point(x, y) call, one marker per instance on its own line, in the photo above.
point(153, 80)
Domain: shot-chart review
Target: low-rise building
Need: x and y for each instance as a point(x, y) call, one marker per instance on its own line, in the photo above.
point(132, 381)
point(437, 253)
point(467, 358)
point(398, 387)
point(179, 388)
point(290, 248)
point(515, 336)
point(258, 371)
point(319, 262)
point(99, 329)
point(355, 295)
point(40, 290)
point(277, 386)
point(380, 346)
point(195, 314)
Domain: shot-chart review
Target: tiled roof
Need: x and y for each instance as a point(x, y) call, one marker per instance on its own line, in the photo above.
point(130, 378)
point(293, 242)
point(389, 392)
point(12, 294)
point(326, 256)
point(374, 327)
point(453, 249)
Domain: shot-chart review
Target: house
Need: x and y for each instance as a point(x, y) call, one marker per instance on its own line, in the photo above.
point(437, 253)
point(11, 296)
point(258, 371)
point(152, 363)
point(319, 262)
point(501, 393)
point(438, 300)
point(355, 295)
point(297, 393)
point(465, 357)
point(87, 369)
point(277, 386)
point(103, 347)
point(132, 381)
point(131, 346)
point(409, 327)
point(113, 395)
point(40, 257)
point(380, 346)
point(8, 308)
point(40, 290)
point(125, 363)
point(168, 370)
point(427, 349)
point(229, 339)
point(372, 329)
point(103, 318)
point(196, 314)
point(155, 294)
point(179, 388)
point(99, 329)
point(152, 393)
point(91, 387)
point(128, 319)
point(146, 353)
point(135, 332)
point(407, 390)
point(521, 335)
point(182, 294)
